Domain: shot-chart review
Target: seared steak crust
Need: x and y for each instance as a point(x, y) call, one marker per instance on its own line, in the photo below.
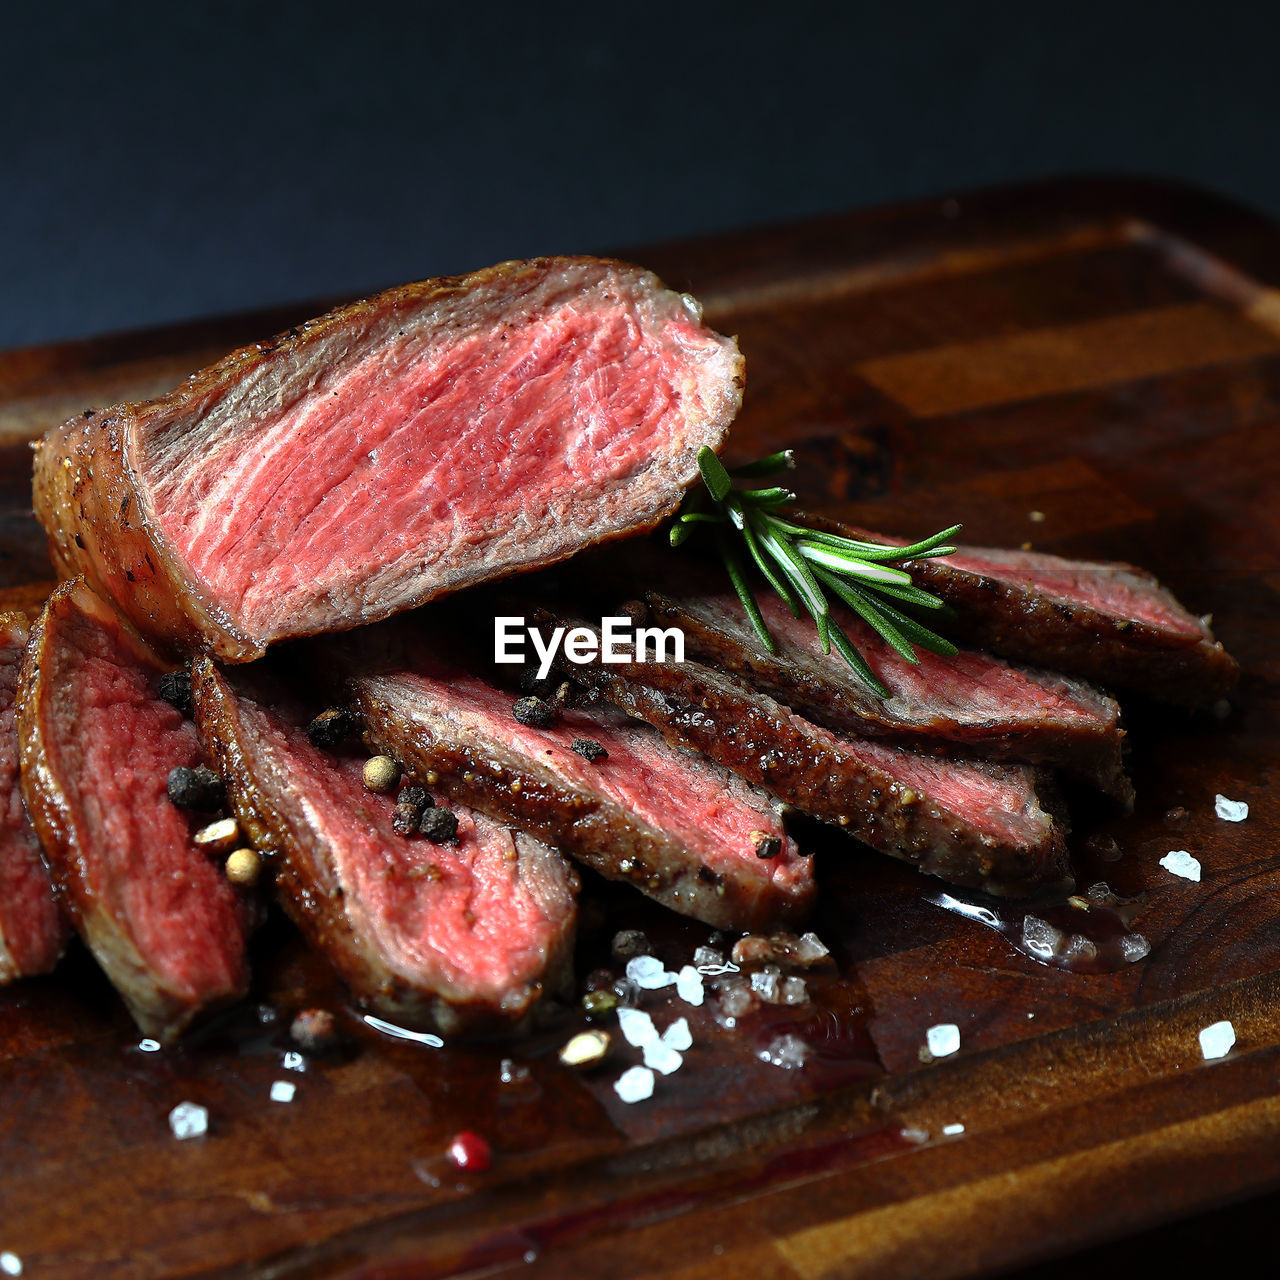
point(678, 828)
point(1111, 623)
point(976, 824)
point(97, 745)
point(467, 936)
point(32, 929)
point(405, 446)
point(971, 704)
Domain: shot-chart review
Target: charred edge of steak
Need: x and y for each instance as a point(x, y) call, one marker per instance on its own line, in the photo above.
point(157, 1011)
point(314, 900)
point(87, 497)
point(33, 931)
point(596, 831)
point(766, 744)
point(1091, 750)
point(1019, 622)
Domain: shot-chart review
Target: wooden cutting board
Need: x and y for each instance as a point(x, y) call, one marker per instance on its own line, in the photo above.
point(1090, 367)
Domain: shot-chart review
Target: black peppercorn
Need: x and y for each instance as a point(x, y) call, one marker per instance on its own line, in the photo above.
point(175, 689)
point(590, 748)
point(330, 727)
point(198, 788)
point(439, 825)
point(416, 796)
point(768, 846)
point(535, 712)
point(405, 819)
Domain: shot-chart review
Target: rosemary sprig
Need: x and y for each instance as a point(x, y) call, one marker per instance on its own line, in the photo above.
point(803, 564)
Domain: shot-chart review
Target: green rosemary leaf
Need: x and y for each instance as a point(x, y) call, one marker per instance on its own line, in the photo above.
point(842, 562)
point(783, 460)
point(714, 476)
point(765, 497)
point(679, 533)
point(910, 595)
point(844, 647)
point(777, 583)
point(743, 588)
point(918, 634)
point(793, 565)
point(824, 632)
point(700, 517)
point(869, 611)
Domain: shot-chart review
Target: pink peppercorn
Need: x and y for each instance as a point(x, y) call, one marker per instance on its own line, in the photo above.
point(470, 1151)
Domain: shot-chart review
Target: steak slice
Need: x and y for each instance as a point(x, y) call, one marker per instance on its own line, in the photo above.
point(97, 746)
point(679, 828)
point(33, 932)
point(394, 450)
point(973, 823)
point(463, 935)
point(1107, 622)
point(971, 702)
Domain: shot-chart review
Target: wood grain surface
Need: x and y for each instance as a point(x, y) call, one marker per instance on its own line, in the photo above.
point(1092, 367)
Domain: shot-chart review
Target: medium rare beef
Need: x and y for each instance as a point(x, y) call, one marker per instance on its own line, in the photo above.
point(97, 748)
point(392, 451)
point(978, 824)
point(460, 934)
point(679, 828)
point(970, 702)
point(1110, 623)
point(32, 929)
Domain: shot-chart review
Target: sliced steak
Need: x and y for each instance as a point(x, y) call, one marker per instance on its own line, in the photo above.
point(970, 702)
point(392, 451)
point(97, 747)
point(32, 929)
point(972, 823)
point(467, 934)
point(679, 828)
point(1110, 623)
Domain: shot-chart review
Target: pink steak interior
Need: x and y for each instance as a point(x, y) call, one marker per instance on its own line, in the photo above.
point(427, 455)
point(112, 747)
point(472, 921)
point(705, 809)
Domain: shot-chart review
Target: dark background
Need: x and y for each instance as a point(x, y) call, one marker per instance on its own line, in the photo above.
point(162, 162)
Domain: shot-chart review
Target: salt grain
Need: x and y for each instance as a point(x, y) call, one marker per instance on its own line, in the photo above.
point(661, 1057)
point(149, 1046)
point(1216, 1040)
point(914, 1136)
point(794, 991)
point(635, 1084)
point(649, 973)
point(294, 1062)
point(283, 1091)
point(1179, 862)
point(10, 1263)
point(677, 1036)
point(765, 983)
point(189, 1120)
point(1133, 946)
point(786, 1051)
point(1099, 892)
point(1040, 937)
point(943, 1040)
point(708, 956)
point(1080, 948)
point(637, 1027)
point(951, 1130)
point(1230, 810)
point(689, 986)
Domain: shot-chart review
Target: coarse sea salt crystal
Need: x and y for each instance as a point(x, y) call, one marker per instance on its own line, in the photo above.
point(635, 1084)
point(649, 973)
point(1179, 862)
point(689, 986)
point(1230, 810)
point(943, 1040)
point(766, 983)
point(294, 1062)
point(189, 1120)
point(787, 1051)
point(661, 1057)
point(677, 1036)
point(149, 1046)
point(1040, 937)
point(1133, 946)
point(636, 1026)
point(950, 1130)
point(1216, 1040)
point(283, 1091)
point(10, 1263)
